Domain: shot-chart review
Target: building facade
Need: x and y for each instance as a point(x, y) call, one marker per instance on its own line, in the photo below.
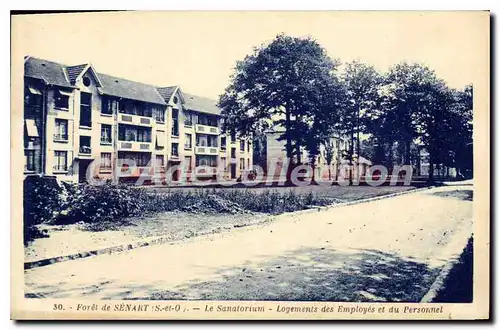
point(270, 154)
point(80, 124)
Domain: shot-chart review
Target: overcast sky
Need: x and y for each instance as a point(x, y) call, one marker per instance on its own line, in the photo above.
point(198, 50)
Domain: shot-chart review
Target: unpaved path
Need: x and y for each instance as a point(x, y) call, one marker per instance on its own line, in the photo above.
point(386, 250)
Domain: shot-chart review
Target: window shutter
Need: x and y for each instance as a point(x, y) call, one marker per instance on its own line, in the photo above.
point(31, 128)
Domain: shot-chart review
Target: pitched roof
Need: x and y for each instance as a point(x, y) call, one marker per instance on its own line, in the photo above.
point(51, 72)
point(201, 104)
point(129, 89)
point(61, 75)
point(74, 71)
point(166, 92)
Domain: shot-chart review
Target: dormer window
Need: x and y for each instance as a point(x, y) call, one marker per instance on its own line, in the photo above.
point(61, 99)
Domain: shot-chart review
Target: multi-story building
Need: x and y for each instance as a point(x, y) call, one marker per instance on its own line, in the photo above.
point(76, 118)
point(330, 163)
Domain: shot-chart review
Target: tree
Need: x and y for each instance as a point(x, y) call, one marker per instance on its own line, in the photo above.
point(433, 122)
point(361, 83)
point(279, 85)
point(407, 89)
point(461, 144)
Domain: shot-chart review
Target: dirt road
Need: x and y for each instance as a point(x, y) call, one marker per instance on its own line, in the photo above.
point(386, 250)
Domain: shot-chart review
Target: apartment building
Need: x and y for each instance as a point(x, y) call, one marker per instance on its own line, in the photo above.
point(270, 155)
point(79, 123)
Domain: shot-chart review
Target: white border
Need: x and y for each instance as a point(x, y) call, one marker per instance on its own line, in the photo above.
point(187, 5)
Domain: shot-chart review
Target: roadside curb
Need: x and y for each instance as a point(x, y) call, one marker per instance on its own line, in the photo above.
point(166, 238)
point(439, 282)
point(360, 201)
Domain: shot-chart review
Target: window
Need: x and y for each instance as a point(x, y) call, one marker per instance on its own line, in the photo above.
point(175, 149)
point(160, 140)
point(32, 100)
point(106, 137)
point(242, 145)
point(85, 144)
point(133, 133)
point(31, 128)
point(142, 159)
point(223, 163)
point(86, 81)
point(159, 114)
point(86, 109)
point(248, 163)
point(107, 105)
point(242, 163)
point(212, 141)
point(176, 99)
point(29, 160)
point(187, 161)
point(201, 140)
point(206, 161)
point(188, 141)
point(188, 118)
point(61, 130)
point(207, 120)
point(61, 99)
point(105, 161)
point(248, 146)
point(233, 152)
point(143, 135)
point(175, 122)
point(160, 160)
point(223, 143)
point(60, 161)
point(143, 109)
point(233, 137)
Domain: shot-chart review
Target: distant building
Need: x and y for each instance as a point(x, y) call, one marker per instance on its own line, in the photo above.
point(270, 154)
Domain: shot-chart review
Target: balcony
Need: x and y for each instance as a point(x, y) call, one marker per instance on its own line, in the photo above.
point(135, 146)
point(85, 151)
point(206, 150)
point(205, 129)
point(203, 171)
point(60, 137)
point(126, 171)
point(124, 118)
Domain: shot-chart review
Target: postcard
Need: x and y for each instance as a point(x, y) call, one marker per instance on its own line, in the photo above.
point(233, 165)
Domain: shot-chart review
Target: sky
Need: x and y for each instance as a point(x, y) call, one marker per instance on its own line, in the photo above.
point(198, 50)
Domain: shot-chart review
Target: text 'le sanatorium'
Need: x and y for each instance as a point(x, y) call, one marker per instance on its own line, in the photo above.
point(357, 309)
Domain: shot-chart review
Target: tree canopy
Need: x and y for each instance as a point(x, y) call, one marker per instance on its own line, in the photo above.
point(293, 87)
point(287, 85)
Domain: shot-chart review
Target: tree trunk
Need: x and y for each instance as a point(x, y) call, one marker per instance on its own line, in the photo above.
point(313, 166)
point(407, 156)
point(390, 161)
point(289, 147)
point(431, 167)
point(351, 153)
point(358, 111)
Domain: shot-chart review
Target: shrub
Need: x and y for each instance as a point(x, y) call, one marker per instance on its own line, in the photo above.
point(272, 201)
point(41, 201)
point(108, 202)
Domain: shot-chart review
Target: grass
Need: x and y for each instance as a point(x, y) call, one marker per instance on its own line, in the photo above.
point(117, 203)
point(457, 287)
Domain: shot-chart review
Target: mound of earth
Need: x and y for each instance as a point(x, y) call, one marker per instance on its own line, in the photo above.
point(214, 204)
